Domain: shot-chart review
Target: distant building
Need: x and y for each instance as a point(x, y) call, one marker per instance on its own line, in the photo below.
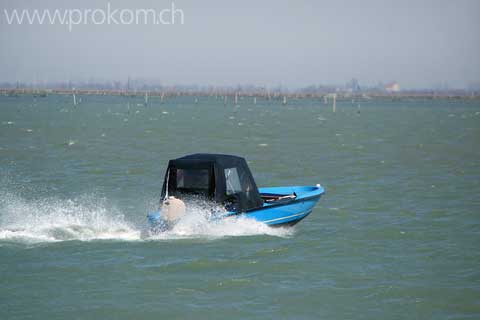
point(352, 86)
point(392, 87)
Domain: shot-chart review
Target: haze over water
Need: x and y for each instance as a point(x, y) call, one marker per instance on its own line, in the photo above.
point(420, 44)
point(396, 235)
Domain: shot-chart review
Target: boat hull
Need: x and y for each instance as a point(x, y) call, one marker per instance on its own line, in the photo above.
point(285, 212)
point(288, 212)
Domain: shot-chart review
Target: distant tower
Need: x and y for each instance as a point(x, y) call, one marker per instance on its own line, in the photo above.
point(353, 86)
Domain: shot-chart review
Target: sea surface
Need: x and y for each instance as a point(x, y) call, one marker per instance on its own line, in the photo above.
point(397, 235)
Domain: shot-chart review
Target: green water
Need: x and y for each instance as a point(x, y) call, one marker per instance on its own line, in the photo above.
point(395, 237)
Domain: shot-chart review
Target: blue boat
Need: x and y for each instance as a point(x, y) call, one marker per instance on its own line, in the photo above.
point(227, 181)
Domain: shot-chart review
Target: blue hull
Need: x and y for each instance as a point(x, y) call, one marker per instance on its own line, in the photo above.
point(286, 211)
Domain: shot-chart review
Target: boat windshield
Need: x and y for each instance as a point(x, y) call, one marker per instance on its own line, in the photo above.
point(189, 180)
point(232, 181)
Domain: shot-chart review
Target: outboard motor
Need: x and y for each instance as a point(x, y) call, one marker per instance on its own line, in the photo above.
point(171, 211)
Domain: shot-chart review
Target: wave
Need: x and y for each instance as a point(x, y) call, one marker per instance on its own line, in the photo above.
point(89, 218)
point(51, 220)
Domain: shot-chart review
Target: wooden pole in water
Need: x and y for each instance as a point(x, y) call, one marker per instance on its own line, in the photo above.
point(74, 98)
point(284, 100)
point(254, 100)
point(146, 98)
point(236, 99)
point(225, 98)
point(161, 97)
point(334, 105)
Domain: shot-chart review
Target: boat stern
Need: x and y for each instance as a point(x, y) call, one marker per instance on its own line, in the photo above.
point(156, 223)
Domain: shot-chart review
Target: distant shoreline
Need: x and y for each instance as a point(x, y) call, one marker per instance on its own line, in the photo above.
point(231, 94)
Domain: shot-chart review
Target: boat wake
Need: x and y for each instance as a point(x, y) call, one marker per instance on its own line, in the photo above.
point(50, 220)
point(88, 219)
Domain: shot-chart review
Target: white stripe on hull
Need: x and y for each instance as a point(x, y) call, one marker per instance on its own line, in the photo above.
point(291, 216)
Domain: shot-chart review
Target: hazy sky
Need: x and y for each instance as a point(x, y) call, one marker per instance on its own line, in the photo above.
point(290, 43)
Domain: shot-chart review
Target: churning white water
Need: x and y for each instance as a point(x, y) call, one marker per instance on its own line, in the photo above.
point(89, 218)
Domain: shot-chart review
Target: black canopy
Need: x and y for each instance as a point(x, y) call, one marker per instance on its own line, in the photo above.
point(222, 178)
